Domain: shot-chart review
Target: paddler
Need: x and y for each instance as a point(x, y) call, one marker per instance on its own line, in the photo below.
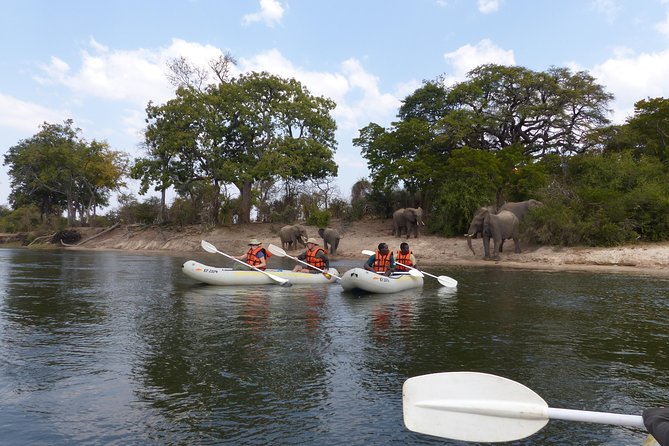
point(315, 256)
point(381, 262)
point(256, 255)
point(405, 257)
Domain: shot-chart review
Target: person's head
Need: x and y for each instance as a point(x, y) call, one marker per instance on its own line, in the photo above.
point(404, 247)
point(383, 248)
point(254, 242)
point(311, 242)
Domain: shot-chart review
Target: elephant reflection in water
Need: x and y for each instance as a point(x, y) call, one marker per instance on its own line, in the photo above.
point(408, 220)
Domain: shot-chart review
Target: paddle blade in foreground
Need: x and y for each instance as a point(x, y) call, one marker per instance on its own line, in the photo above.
point(472, 406)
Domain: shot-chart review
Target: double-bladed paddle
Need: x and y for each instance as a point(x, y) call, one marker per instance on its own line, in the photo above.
point(281, 253)
point(211, 248)
point(443, 280)
point(480, 407)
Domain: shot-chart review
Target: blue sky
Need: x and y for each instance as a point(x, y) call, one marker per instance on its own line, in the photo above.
point(100, 62)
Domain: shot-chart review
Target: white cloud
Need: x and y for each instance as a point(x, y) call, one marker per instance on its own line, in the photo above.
point(26, 116)
point(608, 8)
point(135, 76)
point(632, 77)
point(355, 91)
point(468, 57)
point(270, 12)
point(663, 27)
point(488, 6)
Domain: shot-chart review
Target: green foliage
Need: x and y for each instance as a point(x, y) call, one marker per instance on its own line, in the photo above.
point(604, 200)
point(251, 129)
point(318, 217)
point(58, 170)
point(23, 219)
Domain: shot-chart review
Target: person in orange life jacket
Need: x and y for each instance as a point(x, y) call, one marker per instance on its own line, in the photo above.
point(256, 255)
point(406, 257)
point(314, 255)
point(381, 262)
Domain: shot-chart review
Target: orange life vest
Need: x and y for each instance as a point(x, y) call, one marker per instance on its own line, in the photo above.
point(404, 259)
point(381, 263)
point(252, 257)
point(313, 260)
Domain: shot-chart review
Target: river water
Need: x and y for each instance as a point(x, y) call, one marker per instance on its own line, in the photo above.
point(122, 348)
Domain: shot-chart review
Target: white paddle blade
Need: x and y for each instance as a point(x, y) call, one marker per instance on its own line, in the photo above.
point(276, 250)
point(472, 406)
point(415, 273)
point(367, 252)
point(208, 247)
point(447, 281)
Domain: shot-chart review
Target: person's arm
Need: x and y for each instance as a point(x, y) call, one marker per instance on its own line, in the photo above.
point(414, 262)
point(326, 260)
point(263, 260)
point(302, 256)
point(369, 264)
point(391, 267)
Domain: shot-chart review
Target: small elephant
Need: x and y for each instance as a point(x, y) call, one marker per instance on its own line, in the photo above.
point(409, 220)
point(501, 226)
point(520, 208)
point(291, 235)
point(330, 239)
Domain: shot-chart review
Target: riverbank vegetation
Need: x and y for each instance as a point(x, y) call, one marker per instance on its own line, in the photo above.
point(262, 147)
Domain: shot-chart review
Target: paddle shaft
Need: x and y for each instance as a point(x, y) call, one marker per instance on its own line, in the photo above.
point(595, 417)
point(281, 253)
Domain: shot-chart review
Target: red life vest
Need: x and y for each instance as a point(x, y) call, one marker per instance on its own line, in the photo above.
point(252, 257)
point(313, 260)
point(404, 259)
point(381, 263)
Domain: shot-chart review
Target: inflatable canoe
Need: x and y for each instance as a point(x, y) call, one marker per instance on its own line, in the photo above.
point(363, 280)
point(228, 276)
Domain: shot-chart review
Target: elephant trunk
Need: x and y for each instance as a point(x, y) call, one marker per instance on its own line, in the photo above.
point(469, 243)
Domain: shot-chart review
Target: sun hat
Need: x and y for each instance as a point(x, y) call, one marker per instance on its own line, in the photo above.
point(312, 240)
point(254, 241)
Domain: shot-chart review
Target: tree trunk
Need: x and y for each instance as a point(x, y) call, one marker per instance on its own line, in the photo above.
point(245, 201)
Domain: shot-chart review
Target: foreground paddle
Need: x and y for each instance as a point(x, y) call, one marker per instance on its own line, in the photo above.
point(281, 253)
point(443, 280)
point(479, 407)
point(211, 248)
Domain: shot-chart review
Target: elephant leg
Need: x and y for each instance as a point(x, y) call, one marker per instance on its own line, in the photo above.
point(486, 247)
point(335, 246)
point(516, 242)
point(501, 245)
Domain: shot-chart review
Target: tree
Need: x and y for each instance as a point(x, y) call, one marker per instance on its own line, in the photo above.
point(255, 128)
point(552, 111)
point(56, 169)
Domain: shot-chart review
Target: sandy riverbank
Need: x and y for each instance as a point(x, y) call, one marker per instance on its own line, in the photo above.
point(642, 258)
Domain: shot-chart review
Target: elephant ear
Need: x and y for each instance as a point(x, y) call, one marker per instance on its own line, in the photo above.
point(411, 215)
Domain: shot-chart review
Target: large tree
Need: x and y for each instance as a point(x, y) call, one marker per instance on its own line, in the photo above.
point(254, 128)
point(56, 169)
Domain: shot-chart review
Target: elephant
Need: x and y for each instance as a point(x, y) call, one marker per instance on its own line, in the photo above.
point(408, 219)
point(520, 208)
point(292, 235)
point(330, 239)
point(499, 227)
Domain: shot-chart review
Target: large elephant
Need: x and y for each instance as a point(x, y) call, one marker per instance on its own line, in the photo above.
point(520, 208)
point(330, 239)
point(291, 235)
point(501, 226)
point(409, 220)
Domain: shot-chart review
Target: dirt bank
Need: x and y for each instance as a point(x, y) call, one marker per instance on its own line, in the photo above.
point(430, 250)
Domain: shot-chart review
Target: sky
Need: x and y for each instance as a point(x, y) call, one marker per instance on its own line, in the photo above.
point(99, 63)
